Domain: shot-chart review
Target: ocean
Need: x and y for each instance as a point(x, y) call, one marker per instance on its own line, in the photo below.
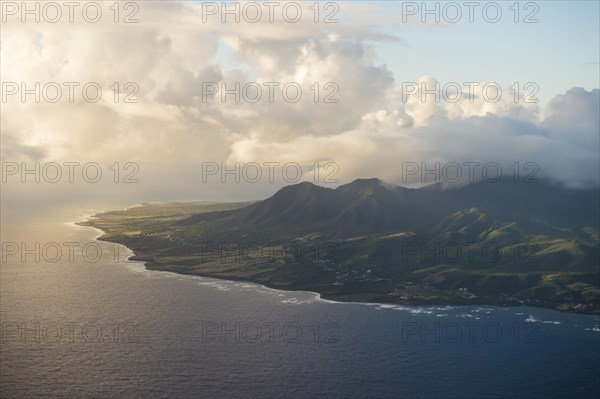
point(80, 320)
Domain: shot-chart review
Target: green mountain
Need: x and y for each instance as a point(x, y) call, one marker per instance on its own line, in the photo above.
point(482, 243)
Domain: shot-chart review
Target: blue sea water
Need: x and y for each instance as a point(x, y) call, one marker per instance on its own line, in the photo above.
point(77, 326)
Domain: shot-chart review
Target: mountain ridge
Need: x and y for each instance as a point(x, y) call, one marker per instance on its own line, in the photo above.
point(370, 204)
point(483, 243)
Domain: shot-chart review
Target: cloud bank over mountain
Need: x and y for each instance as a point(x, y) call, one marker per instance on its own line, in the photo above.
point(372, 129)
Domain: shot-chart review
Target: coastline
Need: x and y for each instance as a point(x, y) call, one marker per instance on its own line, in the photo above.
point(348, 299)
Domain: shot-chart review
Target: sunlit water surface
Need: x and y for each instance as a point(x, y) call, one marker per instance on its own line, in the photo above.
point(81, 327)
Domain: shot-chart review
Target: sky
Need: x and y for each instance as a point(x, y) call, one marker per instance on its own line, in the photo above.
point(371, 66)
point(559, 52)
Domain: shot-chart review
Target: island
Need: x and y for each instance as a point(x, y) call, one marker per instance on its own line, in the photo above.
point(502, 243)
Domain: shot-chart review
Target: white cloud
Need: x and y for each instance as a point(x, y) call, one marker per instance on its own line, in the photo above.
point(369, 132)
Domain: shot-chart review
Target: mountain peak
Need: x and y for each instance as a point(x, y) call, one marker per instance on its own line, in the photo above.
point(368, 187)
point(366, 182)
point(304, 187)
